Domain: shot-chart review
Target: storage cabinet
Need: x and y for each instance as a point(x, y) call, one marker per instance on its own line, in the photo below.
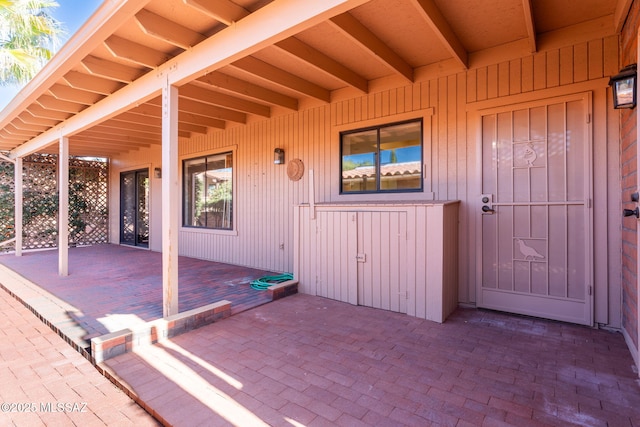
point(398, 257)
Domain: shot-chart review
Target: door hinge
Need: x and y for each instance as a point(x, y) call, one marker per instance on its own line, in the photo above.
point(588, 118)
point(590, 290)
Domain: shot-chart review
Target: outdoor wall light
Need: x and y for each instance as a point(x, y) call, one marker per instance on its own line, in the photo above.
point(624, 87)
point(157, 173)
point(278, 156)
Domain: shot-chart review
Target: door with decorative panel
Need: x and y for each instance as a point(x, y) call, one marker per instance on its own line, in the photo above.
point(535, 248)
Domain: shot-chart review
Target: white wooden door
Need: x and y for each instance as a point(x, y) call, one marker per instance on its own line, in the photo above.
point(536, 239)
point(382, 255)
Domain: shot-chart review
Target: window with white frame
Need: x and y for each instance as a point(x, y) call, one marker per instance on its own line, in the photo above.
point(208, 192)
point(382, 159)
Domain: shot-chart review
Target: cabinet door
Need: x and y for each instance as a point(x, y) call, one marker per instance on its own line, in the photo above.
point(336, 252)
point(382, 269)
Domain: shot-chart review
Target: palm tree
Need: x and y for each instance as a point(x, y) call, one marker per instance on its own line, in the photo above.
point(28, 37)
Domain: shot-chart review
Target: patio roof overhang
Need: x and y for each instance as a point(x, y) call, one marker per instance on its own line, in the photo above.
point(235, 62)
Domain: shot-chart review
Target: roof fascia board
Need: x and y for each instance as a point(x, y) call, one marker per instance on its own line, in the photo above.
point(268, 25)
point(110, 15)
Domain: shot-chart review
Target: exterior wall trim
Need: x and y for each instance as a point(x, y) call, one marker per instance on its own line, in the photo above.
point(426, 114)
point(234, 177)
point(114, 223)
point(535, 95)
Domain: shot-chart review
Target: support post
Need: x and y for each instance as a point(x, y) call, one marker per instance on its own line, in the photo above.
point(63, 206)
point(18, 200)
point(170, 199)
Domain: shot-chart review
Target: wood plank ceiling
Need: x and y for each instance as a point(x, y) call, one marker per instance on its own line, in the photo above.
point(381, 40)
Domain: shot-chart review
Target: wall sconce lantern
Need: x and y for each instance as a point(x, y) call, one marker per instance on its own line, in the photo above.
point(624, 87)
point(157, 173)
point(278, 156)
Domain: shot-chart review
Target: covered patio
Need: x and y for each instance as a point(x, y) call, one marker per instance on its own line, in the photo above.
point(311, 361)
point(112, 287)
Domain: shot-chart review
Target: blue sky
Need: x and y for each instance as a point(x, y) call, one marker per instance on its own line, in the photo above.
point(72, 14)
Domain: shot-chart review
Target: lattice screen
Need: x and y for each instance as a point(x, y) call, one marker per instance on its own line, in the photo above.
point(88, 193)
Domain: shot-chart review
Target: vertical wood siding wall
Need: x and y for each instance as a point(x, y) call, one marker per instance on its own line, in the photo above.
point(265, 197)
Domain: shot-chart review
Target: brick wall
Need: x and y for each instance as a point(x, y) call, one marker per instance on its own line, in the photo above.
point(629, 153)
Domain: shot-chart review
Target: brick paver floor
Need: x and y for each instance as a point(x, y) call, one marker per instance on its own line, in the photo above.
point(309, 361)
point(43, 381)
point(300, 361)
point(111, 287)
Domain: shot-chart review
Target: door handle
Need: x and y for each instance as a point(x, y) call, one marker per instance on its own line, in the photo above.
point(486, 208)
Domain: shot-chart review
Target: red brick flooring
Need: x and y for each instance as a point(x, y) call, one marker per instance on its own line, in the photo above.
point(309, 361)
point(109, 285)
point(39, 371)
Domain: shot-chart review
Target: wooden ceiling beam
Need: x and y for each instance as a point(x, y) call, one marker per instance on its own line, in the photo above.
point(51, 103)
point(109, 130)
point(353, 28)
point(82, 151)
point(267, 25)
point(29, 118)
point(141, 119)
point(150, 131)
point(12, 130)
point(66, 93)
point(188, 127)
point(196, 119)
point(106, 135)
point(111, 70)
point(324, 63)
point(530, 25)
point(202, 109)
point(92, 83)
point(440, 26)
point(168, 31)
point(115, 123)
point(224, 11)
point(283, 78)
point(244, 88)
point(157, 122)
point(135, 53)
point(149, 110)
point(114, 144)
point(6, 136)
point(199, 93)
point(22, 125)
point(38, 111)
